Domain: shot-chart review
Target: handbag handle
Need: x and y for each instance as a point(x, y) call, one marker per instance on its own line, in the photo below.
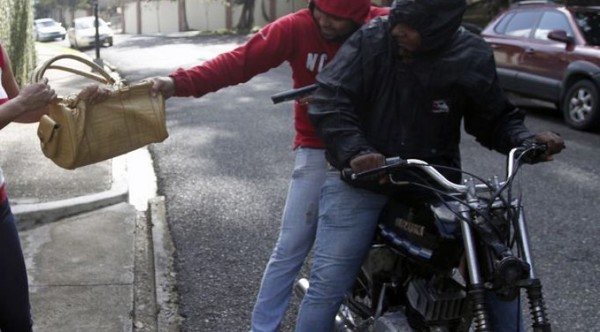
point(103, 76)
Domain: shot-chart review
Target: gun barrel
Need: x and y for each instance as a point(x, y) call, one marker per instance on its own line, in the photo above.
point(293, 93)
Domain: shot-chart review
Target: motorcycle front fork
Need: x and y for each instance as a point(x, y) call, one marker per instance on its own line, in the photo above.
point(532, 285)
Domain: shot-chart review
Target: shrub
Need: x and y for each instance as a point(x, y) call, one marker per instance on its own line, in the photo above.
point(16, 36)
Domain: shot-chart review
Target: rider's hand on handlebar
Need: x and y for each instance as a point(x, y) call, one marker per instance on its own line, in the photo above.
point(553, 142)
point(365, 162)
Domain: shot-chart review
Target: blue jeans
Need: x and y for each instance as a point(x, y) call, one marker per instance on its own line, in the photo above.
point(347, 222)
point(296, 237)
point(15, 313)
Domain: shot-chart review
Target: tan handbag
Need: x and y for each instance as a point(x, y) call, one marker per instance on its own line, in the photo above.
point(75, 133)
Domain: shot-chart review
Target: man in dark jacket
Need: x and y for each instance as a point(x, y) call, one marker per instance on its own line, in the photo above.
point(400, 86)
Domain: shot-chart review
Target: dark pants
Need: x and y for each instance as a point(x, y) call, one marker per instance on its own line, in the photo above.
point(15, 315)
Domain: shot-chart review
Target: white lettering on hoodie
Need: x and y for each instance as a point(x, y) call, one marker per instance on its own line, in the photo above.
point(315, 62)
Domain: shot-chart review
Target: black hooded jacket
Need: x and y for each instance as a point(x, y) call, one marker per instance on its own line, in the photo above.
point(371, 100)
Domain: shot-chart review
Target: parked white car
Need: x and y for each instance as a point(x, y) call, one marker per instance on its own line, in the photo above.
point(82, 32)
point(45, 29)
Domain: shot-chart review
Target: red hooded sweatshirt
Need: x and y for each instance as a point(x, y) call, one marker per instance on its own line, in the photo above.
point(294, 38)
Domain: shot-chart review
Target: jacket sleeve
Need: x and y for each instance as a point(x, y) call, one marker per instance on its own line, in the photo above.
point(333, 109)
point(489, 116)
point(267, 49)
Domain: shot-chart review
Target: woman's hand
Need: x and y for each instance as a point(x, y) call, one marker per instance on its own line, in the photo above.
point(35, 96)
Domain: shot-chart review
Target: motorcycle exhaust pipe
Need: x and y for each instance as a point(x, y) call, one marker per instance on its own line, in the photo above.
point(300, 289)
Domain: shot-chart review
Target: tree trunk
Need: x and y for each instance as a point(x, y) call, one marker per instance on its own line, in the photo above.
point(183, 23)
point(246, 20)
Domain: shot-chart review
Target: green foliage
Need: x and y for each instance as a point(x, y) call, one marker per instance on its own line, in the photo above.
point(16, 36)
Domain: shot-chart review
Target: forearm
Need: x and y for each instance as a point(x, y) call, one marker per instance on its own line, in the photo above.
point(490, 116)
point(337, 124)
point(30, 117)
point(208, 77)
point(512, 131)
point(231, 68)
point(10, 111)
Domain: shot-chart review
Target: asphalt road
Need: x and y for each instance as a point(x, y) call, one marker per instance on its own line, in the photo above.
point(224, 172)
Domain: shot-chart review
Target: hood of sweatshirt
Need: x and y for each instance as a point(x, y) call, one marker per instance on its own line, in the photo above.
point(435, 20)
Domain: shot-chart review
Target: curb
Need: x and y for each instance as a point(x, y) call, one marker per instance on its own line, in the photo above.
point(168, 319)
point(155, 297)
point(33, 215)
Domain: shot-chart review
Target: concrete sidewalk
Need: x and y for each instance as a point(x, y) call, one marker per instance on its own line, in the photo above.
point(95, 239)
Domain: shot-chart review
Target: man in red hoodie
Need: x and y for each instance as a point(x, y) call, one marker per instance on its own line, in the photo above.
point(307, 40)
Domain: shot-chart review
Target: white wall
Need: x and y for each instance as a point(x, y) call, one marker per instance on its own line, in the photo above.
point(159, 17)
point(203, 15)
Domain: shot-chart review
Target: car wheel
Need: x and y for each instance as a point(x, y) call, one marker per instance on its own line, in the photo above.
point(581, 105)
point(110, 41)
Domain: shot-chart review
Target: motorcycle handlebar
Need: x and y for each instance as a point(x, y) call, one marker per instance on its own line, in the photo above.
point(293, 94)
point(518, 154)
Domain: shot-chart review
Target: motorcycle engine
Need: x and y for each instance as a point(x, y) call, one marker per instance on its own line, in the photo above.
point(436, 301)
point(394, 321)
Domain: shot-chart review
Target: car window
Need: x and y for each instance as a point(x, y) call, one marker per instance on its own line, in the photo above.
point(589, 24)
point(87, 24)
point(84, 25)
point(102, 23)
point(552, 20)
point(501, 26)
point(47, 23)
point(521, 24)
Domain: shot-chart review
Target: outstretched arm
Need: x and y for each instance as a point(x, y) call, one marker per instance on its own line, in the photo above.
point(267, 49)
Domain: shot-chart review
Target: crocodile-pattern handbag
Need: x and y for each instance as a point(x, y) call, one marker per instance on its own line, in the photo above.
point(76, 133)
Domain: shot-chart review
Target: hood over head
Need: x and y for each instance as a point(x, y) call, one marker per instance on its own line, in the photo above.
point(355, 10)
point(435, 20)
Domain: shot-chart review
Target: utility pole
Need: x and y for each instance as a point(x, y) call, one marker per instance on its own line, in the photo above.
point(97, 60)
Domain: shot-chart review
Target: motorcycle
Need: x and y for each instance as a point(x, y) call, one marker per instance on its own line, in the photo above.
point(433, 260)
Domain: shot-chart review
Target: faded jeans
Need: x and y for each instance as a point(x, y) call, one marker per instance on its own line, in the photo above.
point(347, 222)
point(296, 237)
